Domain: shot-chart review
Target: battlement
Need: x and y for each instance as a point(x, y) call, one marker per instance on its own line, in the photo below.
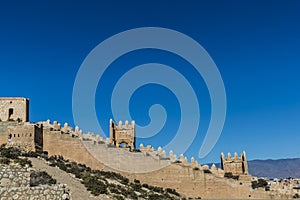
point(150, 165)
point(237, 165)
point(122, 134)
point(182, 160)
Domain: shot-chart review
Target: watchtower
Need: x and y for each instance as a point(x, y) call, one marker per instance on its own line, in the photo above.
point(122, 134)
point(237, 165)
point(14, 109)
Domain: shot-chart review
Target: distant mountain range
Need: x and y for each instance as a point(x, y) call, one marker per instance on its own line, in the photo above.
point(281, 168)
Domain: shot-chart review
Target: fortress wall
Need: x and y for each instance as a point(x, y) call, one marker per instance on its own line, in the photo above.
point(4, 131)
point(69, 148)
point(195, 183)
point(22, 136)
point(186, 180)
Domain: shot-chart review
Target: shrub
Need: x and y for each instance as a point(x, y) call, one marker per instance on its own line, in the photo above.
point(136, 186)
point(118, 197)
point(154, 197)
point(136, 181)
point(10, 152)
point(31, 154)
point(259, 183)
point(158, 189)
point(61, 166)
point(230, 175)
point(23, 162)
point(4, 161)
point(41, 178)
point(113, 189)
point(172, 191)
point(94, 185)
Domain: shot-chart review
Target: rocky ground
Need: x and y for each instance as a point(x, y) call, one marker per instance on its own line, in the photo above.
point(77, 189)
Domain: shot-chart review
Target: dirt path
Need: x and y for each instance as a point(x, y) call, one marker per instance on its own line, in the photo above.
point(78, 191)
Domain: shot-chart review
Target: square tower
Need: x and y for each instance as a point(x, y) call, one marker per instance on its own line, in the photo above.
point(237, 165)
point(122, 134)
point(25, 136)
point(14, 109)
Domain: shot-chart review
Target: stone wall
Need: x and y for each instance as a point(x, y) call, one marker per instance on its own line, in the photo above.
point(14, 109)
point(122, 134)
point(14, 175)
point(4, 131)
point(57, 143)
point(44, 192)
point(26, 136)
point(189, 178)
point(15, 184)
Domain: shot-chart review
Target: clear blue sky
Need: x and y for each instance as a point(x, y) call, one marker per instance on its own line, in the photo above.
point(255, 44)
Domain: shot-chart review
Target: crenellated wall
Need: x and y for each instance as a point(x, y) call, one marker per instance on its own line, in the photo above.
point(236, 165)
point(57, 143)
point(152, 166)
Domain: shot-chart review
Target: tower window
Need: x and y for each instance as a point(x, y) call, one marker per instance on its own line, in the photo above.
point(10, 113)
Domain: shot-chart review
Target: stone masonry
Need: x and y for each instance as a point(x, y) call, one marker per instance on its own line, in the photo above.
point(15, 184)
point(26, 136)
point(237, 165)
point(122, 134)
point(14, 109)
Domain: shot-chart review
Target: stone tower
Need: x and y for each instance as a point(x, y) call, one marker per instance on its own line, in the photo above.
point(122, 134)
point(25, 136)
point(237, 165)
point(14, 109)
